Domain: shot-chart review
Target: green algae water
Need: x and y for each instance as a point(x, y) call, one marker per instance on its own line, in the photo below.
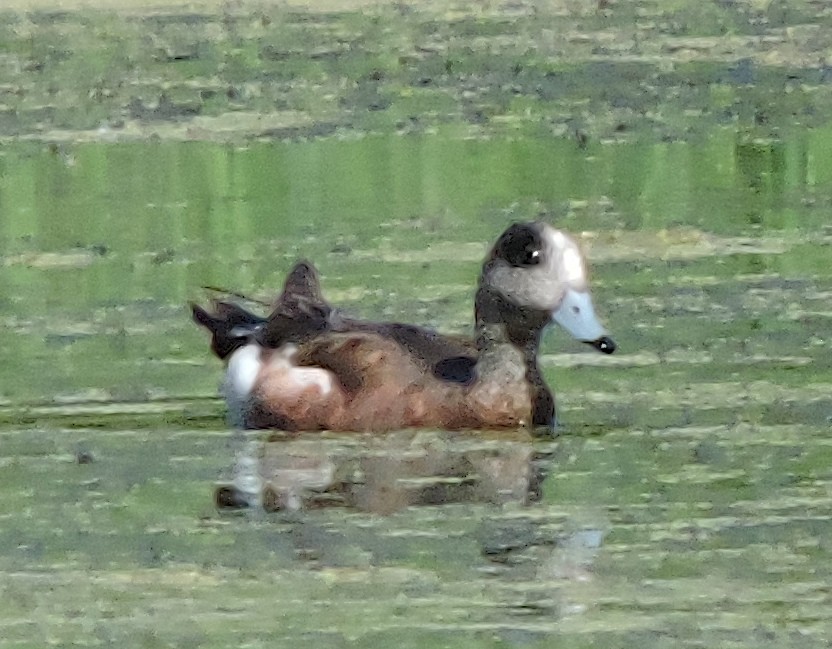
point(686, 501)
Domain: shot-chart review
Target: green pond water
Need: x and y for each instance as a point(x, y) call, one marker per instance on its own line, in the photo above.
point(686, 502)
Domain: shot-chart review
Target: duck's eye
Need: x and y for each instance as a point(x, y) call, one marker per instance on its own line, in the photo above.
point(530, 256)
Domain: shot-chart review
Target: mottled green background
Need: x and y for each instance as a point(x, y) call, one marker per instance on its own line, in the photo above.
point(147, 153)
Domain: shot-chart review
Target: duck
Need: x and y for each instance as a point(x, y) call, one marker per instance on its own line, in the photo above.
point(308, 366)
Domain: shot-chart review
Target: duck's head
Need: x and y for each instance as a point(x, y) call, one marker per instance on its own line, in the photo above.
point(535, 274)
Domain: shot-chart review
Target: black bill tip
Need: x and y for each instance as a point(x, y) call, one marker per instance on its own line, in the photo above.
point(603, 344)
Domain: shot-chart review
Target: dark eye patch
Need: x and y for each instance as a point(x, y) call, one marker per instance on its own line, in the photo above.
point(520, 245)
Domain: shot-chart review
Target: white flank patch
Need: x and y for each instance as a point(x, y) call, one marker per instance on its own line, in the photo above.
point(305, 377)
point(301, 377)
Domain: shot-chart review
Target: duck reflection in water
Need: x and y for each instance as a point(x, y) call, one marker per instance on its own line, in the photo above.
point(384, 474)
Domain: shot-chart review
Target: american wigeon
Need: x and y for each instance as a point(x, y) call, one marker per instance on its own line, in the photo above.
point(309, 367)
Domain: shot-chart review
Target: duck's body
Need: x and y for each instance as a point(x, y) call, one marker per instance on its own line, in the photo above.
point(308, 367)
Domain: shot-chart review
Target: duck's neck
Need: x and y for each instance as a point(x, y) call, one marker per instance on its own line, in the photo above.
point(505, 330)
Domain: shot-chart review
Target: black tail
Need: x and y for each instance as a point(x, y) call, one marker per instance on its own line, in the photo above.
point(231, 326)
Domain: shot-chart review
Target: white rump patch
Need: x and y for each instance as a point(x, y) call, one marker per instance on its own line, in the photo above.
point(240, 377)
point(243, 367)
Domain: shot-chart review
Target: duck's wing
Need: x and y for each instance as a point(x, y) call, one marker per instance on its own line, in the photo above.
point(449, 358)
point(359, 352)
point(231, 326)
point(352, 357)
